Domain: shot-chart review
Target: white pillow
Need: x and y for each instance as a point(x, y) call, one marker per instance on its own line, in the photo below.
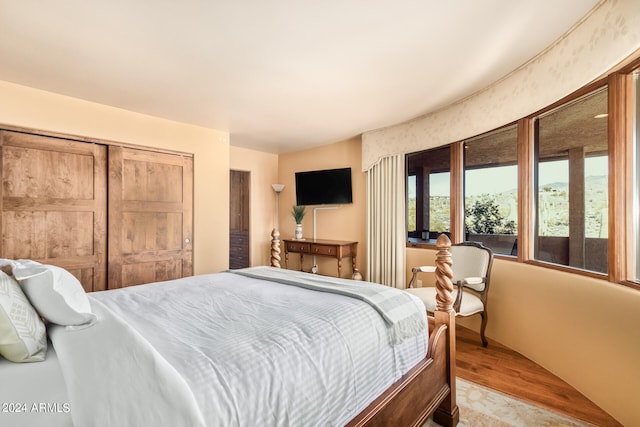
point(23, 337)
point(54, 292)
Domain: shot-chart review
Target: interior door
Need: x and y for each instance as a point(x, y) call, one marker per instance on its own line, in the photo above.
point(150, 216)
point(239, 182)
point(54, 204)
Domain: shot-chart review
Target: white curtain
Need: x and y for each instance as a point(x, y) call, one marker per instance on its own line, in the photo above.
point(386, 229)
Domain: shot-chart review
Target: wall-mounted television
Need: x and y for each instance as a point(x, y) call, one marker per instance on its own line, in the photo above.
point(324, 187)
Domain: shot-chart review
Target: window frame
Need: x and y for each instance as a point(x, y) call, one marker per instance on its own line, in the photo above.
point(530, 226)
point(415, 241)
point(621, 171)
point(595, 87)
point(621, 246)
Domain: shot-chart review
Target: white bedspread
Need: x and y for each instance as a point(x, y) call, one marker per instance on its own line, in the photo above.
point(115, 378)
point(252, 352)
point(398, 309)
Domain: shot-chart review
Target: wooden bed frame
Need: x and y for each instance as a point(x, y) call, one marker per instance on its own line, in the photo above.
point(429, 388)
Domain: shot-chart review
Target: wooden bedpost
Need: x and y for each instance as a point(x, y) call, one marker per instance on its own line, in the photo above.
point(447, 413)
point(444, 274)
point(275, 248)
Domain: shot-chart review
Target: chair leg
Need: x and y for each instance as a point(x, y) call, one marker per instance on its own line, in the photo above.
point(483, 325)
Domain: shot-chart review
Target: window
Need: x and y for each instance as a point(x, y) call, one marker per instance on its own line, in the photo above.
point(561, 187)
point(440, 201)
point(491, 190)
point(571, 173)
point(428, 193)
point(411, 203)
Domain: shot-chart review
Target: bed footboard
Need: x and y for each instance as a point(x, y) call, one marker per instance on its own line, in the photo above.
point(429, 387)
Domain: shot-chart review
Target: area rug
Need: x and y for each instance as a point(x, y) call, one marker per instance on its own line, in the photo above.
point(483, 407)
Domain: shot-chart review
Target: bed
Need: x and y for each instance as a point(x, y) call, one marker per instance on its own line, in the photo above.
point(259, 346)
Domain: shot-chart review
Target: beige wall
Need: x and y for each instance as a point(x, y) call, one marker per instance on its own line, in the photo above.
point(263, 168)
point(583, 330)
point(27, 107)
point(348, 222)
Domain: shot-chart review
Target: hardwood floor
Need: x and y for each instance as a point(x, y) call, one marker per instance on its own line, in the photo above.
point(507, 371)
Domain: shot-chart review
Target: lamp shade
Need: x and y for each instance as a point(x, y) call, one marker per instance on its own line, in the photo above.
point(277, 187)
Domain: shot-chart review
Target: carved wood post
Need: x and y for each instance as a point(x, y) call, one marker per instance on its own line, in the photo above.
point(447, 413)
point(275, 248)
point(444, 274)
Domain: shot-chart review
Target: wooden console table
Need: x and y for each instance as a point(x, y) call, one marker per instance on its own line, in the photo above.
point(330, 248)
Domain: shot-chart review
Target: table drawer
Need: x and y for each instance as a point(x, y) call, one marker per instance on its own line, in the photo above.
point(325, 250)
point(298, 247)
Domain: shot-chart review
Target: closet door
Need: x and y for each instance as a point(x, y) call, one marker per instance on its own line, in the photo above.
point(54, 204)
point(150, 216)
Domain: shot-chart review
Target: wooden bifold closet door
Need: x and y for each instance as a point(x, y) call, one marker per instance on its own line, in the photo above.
point(113, 216)
point(150, 216)
point(54, 200)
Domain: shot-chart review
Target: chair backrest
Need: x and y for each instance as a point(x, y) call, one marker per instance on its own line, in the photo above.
point(471, 259)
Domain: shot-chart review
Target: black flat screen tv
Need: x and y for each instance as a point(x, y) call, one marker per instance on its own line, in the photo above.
point(324, 187)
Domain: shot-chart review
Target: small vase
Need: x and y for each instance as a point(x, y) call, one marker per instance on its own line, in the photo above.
point(298, 231)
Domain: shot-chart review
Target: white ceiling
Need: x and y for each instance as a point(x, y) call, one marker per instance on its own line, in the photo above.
point(278, 75)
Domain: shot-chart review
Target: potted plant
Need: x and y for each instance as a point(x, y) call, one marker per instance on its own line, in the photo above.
point(298, 213)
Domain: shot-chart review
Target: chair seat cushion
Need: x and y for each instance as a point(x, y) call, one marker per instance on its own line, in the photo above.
point(470, 304)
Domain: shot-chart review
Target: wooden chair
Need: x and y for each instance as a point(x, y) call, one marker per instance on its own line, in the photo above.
point(471, 268)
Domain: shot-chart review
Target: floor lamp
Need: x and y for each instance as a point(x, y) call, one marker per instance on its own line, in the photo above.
point(275, 233)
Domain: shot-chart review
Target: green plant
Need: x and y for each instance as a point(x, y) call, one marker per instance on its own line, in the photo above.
point(484, 218)
point(298, 213)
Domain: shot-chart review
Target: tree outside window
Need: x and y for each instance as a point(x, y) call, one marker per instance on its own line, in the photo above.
point(491, 190)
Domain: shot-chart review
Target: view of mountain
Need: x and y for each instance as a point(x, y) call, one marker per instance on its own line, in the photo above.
point(553, 200)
